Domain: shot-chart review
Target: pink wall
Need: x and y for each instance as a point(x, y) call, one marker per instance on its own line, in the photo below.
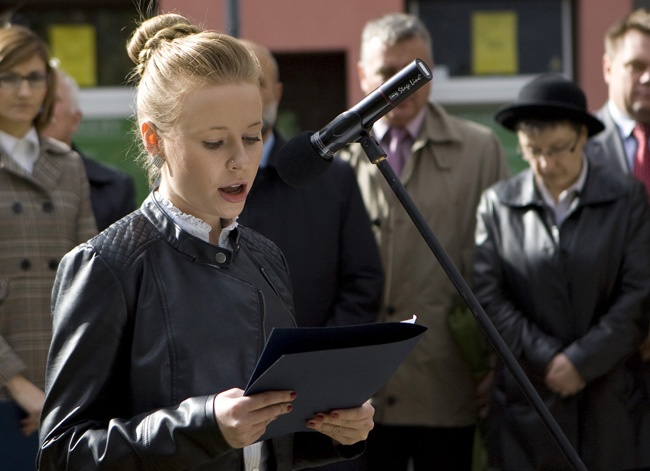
point(299, 25)
point(295, 25)
point(208, 13)
point(593, 19)
point(315, 25)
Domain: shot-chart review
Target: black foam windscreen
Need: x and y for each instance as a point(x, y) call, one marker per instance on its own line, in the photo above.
point(298, 161)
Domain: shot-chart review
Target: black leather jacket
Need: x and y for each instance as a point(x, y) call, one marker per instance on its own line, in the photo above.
point(149, 324)
point(580, 289)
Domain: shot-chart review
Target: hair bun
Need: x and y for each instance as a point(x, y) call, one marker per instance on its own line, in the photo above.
point(152, 33)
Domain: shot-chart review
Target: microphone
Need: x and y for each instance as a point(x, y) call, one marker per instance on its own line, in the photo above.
point(308, 155)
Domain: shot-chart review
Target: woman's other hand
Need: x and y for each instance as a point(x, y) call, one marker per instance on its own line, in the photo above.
point(30, 398)
point(345, 426)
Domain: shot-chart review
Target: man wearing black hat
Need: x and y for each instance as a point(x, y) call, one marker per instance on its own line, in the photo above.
point(562, 269)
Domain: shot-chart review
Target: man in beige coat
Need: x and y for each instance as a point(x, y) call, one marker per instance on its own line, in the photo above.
point(428, 410)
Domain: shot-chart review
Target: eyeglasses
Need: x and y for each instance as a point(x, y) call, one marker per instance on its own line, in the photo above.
point(13, 81)
point(558, 151)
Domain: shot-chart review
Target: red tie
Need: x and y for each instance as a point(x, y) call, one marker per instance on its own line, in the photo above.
point(642, 157)
point(397, 138)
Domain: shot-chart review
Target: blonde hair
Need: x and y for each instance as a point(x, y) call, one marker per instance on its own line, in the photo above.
point(19, 44)
point(172, 57)
point(638, 20)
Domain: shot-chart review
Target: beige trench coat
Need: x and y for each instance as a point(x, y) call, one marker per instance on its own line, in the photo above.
point(452, 162)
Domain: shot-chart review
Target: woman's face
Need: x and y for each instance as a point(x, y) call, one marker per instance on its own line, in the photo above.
point(22, 100)
point(213, 151)
point(554, 154)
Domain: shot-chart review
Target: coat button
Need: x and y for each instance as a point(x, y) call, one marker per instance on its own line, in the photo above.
point(53, 264)
point(220, 257)
point(17, 207)
point(25, 264)
point(48, 207)
point(390, 309)
point(391, 400)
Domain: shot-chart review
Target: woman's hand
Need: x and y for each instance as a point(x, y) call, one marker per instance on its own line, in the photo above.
point(345, 426)
point(30, 398)
point(562, 377)
point(243, 419)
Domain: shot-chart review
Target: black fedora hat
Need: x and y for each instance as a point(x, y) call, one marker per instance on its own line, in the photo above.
point(549, 97)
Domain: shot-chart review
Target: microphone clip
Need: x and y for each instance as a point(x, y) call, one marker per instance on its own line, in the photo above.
point(372, 148)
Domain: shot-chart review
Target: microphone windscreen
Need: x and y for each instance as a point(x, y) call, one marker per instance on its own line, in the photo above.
point(298, 161)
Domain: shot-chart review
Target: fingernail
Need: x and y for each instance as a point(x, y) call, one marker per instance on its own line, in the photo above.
point(335, 415)
point(293, 394)
point(320, 417)
point(311, 424)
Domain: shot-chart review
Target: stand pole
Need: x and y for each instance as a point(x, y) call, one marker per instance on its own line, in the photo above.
point(378, 157)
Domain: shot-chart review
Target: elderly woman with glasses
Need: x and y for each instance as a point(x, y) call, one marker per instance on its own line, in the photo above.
point(44, 212)
point(563, 270)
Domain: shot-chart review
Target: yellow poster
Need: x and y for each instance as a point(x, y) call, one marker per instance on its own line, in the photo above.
point(75, 46)
point(494, 43)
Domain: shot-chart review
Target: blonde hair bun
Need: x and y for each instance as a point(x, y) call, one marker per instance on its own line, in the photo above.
point(154, 32)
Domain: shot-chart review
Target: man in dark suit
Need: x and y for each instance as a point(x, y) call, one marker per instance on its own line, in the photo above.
point(626, 115)
point(112, 191)
point(322, 229)
point(626, 69)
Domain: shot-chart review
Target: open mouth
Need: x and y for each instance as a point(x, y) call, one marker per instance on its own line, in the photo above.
point(233, 189)
point(234, 193)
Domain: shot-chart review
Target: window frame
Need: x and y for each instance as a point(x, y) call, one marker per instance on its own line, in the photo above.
point(466, 90)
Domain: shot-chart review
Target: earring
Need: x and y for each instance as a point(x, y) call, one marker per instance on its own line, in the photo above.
point(158, 161)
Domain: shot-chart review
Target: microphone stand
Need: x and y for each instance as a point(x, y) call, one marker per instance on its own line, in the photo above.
point(377, 156)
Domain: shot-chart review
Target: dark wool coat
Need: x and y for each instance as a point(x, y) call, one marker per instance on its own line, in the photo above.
point(324, 232)
point(112, 191)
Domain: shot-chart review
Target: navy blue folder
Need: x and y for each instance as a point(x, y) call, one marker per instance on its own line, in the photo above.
point(329, 367)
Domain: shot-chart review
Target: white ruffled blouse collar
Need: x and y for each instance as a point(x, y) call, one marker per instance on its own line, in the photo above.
point(193, 225)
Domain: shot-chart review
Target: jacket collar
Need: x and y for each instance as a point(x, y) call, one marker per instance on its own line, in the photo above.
point(187, 243)
point(520, 190)
point(438, 128)
point(48, 167)
point(608, 146)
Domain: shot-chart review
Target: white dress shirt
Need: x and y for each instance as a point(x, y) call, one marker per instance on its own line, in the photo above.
point(24, 151)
